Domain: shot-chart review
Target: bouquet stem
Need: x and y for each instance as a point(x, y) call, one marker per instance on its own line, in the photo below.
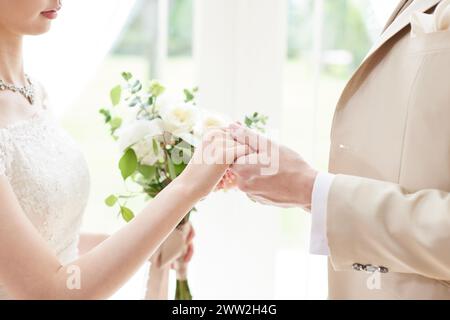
point(183, 292)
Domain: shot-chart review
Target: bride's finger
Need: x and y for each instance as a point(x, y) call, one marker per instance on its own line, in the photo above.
point(189, 253)
point(247, 136)
point(191, 235)
point(235, 152)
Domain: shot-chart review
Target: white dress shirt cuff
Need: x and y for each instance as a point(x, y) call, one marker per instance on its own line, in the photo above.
point(319, 241)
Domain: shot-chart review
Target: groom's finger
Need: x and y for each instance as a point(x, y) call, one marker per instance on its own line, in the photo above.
point(246, 167)
point(246, 161)
point(257, 198)
point(246, 136)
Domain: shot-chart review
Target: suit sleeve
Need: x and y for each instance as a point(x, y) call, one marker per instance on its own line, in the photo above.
point(382, 224)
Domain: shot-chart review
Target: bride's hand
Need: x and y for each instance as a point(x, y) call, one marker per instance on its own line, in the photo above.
point(189, 248)
point(211, 160)
point(228, 181)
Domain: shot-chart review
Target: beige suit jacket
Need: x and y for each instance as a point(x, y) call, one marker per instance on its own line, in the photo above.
point(389, 205)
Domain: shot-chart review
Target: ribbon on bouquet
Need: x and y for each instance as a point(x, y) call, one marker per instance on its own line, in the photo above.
point(171, 251)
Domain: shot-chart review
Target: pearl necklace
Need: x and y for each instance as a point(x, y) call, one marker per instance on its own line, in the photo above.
point(27, 91)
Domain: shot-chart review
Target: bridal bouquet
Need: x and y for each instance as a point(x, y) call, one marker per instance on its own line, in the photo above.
point(157, 132)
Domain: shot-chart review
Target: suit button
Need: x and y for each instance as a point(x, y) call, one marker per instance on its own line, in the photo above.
point(358, 266)
point(370, 268)
point(383, 269)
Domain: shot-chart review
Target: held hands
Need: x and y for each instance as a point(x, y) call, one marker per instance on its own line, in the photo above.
point(271, 174)
point(212, 160)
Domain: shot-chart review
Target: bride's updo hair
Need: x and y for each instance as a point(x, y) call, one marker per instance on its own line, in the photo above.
point(23, 17)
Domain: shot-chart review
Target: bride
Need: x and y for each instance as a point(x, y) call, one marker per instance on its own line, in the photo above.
point(44, 185)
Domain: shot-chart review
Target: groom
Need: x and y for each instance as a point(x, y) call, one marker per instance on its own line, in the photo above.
point(383, 211)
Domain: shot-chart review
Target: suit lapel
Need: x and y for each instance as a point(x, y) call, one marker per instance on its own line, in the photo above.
point(402, 21)
point(397, 25)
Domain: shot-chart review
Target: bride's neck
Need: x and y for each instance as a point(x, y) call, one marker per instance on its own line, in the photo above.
point(11, 58)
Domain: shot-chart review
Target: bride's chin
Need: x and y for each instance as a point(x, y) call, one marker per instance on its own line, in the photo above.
point(38, 33)
point(39, 28)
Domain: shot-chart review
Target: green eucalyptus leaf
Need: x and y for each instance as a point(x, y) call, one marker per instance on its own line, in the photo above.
point(116, 123)
point(248, 122)
point(127, 76)
point(134, 102)
point(111, 200)
point(257, 121)
point(126, 213)
point(155, 146)
point(171, 166)
point(153, 189)
point(116, 94)
point(136, 87)
point(148, 172)
point(179, 168)
point(128, 163)
point(107, 114)
point(156, 89)
point(188, 95)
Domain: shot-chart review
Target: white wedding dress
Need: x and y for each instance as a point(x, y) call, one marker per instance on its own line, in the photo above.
point(50, 178)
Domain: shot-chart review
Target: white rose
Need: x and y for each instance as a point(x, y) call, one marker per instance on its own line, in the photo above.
point(146, 153)
point(179, 118)
point(169, 99)
point(209, 121)
point(138, 130)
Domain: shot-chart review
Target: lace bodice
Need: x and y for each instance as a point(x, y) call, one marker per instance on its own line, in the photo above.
point(50, 179)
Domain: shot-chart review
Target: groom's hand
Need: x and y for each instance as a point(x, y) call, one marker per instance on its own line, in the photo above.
point(272, 174)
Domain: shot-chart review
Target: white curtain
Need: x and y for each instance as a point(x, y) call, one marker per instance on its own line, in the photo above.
point(239, 55)
point(65, 58)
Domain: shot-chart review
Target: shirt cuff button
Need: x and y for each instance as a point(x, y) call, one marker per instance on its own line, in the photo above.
point(358, 266)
